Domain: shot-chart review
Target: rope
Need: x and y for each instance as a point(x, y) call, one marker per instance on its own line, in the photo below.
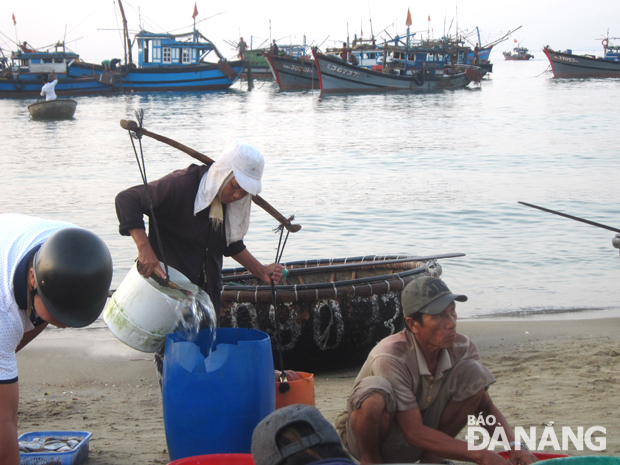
point(279, 253)
point(142, 168)
point(546, 69)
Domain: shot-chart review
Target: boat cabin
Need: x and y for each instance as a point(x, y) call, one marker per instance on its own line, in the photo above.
point(612, 52)
point(42, 62)
point(157, 50)
point(368, 58)
point(295, 50)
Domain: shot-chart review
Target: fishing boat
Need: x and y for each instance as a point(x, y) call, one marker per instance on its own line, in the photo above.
point(166, 62)
point(567, 65)
point(430, 56)
point(331, 312)
point(438, 53)
point(169, 62)
point(518, 54)
point(293, 73)
point(259, 64)
point(53, 109)
point(336, 76)
point(26, 72)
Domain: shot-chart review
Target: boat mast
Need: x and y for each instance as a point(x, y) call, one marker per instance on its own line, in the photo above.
point(126, 41)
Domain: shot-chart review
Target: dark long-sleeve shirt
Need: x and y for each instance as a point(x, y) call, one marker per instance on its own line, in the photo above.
point(189, 243)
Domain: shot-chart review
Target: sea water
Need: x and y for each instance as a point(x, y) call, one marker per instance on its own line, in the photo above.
point(370, 174)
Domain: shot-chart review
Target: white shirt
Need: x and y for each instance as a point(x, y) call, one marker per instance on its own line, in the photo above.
point(48, 90)
point(19, 234)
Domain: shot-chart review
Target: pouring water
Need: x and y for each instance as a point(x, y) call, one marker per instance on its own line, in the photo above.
point(195, 312)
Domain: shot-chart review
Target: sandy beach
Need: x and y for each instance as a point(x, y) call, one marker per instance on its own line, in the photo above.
point(565, 372)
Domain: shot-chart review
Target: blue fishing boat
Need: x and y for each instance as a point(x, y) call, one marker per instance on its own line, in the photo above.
point(168, 62)
point(24, 74)
point(403, 52)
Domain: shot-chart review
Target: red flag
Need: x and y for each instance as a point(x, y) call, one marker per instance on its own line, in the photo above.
point(14, 22)
point(515, 41)
point(408, 22)
point(195, 11)
point(429, 17)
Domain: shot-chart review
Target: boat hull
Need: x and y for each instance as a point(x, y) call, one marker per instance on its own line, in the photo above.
point(259, 72)
point(53, 109)
point(566, 65)
point(258, 65)
point(331, 321)
point(29, 86)
point(203, 77)
point(336, 76)
point(293, 73)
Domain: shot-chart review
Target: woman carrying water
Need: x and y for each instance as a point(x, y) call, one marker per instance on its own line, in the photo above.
point(201, 215)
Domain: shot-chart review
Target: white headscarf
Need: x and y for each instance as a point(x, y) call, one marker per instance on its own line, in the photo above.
point(246, 163)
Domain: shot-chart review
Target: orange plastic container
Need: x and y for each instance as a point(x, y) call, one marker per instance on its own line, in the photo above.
point(538, 455)
point(301, 391)
point(216, 459)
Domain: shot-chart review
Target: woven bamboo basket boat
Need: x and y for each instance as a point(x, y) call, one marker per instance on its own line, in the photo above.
point(332, 312)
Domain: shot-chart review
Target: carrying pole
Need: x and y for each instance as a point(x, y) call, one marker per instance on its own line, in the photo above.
point(576, 218)
point(257, 199)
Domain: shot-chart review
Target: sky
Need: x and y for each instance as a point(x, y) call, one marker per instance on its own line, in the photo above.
point(92, 28)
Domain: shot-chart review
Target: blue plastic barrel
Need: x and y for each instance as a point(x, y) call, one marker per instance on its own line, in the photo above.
point(213, 401)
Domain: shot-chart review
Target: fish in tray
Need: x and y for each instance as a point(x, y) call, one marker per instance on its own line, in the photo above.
point(49, 444)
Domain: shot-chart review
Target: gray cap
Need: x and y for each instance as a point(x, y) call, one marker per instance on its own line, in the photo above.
point(265, 450)
point(427, 295)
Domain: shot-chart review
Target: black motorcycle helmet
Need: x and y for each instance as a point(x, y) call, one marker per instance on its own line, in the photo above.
point(73, 272)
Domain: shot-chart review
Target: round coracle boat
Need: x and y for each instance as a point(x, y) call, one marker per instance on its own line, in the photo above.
point(53, 109)
point(331, 312)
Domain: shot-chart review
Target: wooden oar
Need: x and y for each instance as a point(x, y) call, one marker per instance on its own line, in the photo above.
point(576, 218)
point(257, 199)
point(348, 266)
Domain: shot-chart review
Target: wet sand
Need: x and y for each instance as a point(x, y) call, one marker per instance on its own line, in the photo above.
point(566, 372)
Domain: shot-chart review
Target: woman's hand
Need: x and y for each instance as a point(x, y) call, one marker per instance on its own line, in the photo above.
point(266, 273)
point(273, 273)
point(148, 263)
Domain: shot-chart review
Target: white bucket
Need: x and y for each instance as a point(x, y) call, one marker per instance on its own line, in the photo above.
point(140, 313)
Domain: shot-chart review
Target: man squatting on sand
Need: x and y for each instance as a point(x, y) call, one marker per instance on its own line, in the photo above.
point(415, 391)
point(51, 272)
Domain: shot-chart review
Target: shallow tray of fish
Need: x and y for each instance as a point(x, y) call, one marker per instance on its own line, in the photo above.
point(54, 447)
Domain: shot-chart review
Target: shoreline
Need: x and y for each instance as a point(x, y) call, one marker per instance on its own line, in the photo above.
point(565, 371)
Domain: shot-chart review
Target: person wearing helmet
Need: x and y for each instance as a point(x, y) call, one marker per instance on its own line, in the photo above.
point(202, 214)
point(51, 272)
